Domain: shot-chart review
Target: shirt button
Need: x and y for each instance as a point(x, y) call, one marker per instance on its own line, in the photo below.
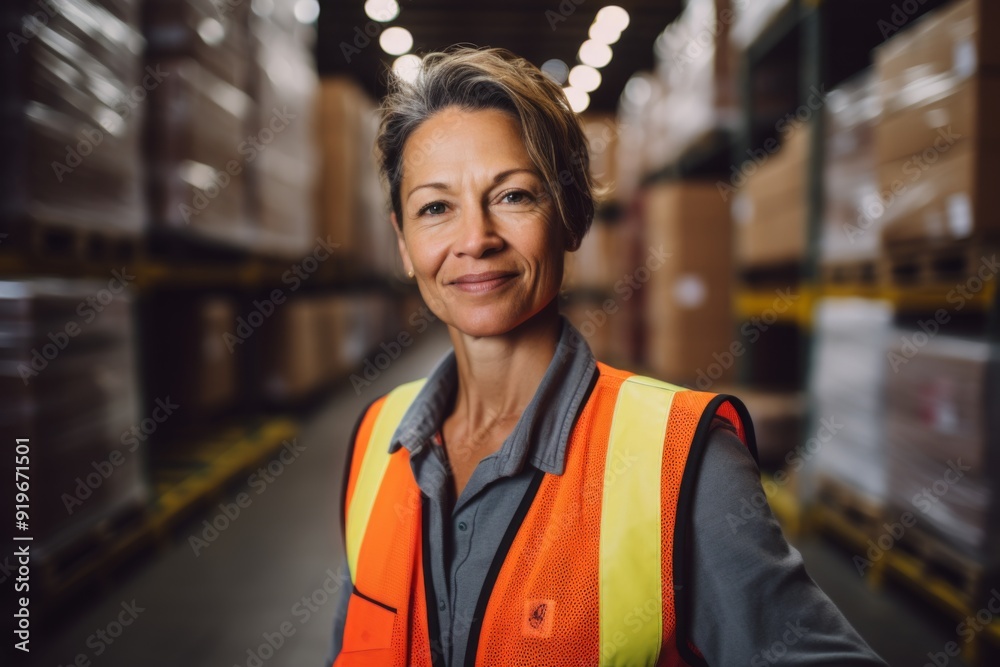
point(463, 526)
point(441, 604)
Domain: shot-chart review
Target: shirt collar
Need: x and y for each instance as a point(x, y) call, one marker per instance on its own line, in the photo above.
point(541, 434)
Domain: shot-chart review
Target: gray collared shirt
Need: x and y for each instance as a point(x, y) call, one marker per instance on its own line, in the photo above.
point(748, 582)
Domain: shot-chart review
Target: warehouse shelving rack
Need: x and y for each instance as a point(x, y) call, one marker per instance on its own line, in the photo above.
point(209, 457)
point(809, 28)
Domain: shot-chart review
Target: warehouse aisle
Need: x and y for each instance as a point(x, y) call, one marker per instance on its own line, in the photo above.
point(215, 608)
point(224, 604)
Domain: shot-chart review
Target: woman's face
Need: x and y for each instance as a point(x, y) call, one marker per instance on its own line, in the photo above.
point(478, 230)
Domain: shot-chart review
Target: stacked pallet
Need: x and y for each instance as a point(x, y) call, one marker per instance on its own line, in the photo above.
point(73, 91)
point(69, 389)
point(937, 141)
point(942, 431)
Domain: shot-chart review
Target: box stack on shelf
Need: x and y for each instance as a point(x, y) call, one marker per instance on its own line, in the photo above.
point(688, 316)
point(200, 134)
point(604, 256)
point(203, 331)
point(942, 430)
point(695, 64)
point(284, 82)
point(313, 340)
point(936, 144)
point(852, 217)
point(771, 210)
point(351, 208)
point(69, 390)
point(71, 120)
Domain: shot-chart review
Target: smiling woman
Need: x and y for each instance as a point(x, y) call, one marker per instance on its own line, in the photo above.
point(525, 503)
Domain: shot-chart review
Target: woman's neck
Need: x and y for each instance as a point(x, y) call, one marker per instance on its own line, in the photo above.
point(498, 376)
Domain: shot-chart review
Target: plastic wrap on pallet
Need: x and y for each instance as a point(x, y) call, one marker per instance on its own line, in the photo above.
point(846, 439)
point(68, 385)
point(213, 32)
point(853, 209)
point(73, 94)
point(199, 149)
point(752, 18)
point(638, 132)
point(285, 172)
point(693, 61)
point(942, 430)
point(931, 59)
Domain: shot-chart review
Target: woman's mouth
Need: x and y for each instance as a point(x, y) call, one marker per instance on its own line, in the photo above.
point(482, 282)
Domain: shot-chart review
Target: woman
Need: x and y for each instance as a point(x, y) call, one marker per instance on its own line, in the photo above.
point(526, 504)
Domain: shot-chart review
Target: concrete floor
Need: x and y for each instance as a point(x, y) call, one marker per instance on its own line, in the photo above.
point(216, 607)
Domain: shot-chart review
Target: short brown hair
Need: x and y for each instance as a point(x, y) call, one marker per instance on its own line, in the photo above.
point(478, 79)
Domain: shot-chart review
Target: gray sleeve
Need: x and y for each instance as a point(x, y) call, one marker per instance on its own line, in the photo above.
point(753, 603)
point(339, 618)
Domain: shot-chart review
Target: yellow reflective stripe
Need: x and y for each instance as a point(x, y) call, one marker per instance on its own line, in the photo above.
point(374, 465)
point(631, 594)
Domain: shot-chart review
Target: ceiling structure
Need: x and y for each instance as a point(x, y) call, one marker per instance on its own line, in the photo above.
point(535, 29)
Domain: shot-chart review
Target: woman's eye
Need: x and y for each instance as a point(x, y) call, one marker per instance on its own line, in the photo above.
point(435, 208)
point(516, 197)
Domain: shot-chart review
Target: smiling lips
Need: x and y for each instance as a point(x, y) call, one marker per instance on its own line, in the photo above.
point(482, 282)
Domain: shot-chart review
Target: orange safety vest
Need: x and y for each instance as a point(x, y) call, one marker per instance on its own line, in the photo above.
point(592, 570)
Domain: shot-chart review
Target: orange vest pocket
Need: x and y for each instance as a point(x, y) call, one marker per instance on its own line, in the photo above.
point(367, 633)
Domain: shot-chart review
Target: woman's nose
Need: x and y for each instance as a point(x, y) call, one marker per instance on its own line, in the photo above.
point(478, 233)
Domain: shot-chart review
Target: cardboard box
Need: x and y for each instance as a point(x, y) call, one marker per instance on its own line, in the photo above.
point(965, 113)
point(946, 200)
point(688, 298)
point(938, 52)
point(293, 359)
point(771, 210)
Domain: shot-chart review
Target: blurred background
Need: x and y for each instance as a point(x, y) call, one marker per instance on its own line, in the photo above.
point(200, 291)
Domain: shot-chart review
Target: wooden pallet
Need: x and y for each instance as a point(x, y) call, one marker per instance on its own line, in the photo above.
point(933, 263)
point(940, 561)
point(859, 272)
point(846, 515)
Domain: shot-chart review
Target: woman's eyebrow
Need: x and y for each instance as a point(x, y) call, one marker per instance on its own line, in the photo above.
point(499, 178)
point(433, 186)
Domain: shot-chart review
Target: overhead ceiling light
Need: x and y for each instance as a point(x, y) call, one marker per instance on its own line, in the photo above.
point(396, 41)
point(595, 54)
point(556, 69)
point(584, 77)
point(614, 16)
point(382, 10)
point(604, 33)
point(306, 11)
point(407, 67)
point(578, 99)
